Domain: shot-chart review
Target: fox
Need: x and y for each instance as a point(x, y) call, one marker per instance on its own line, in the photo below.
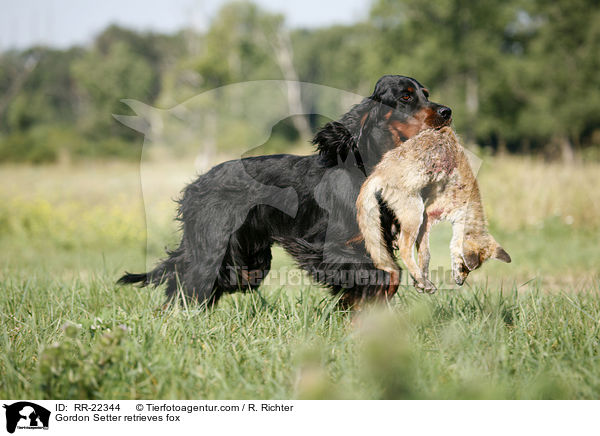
point(425, 180)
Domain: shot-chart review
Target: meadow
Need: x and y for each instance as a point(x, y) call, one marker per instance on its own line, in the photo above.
point(524, 330)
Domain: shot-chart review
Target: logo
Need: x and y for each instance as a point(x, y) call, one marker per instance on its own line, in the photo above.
point(26, 415)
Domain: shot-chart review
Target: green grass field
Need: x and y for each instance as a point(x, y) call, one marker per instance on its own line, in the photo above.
point(524, 330)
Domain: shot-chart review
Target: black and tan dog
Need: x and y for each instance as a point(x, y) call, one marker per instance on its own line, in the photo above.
point(226, 245)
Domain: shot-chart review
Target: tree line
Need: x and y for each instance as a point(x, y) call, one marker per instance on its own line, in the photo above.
point(520, 75)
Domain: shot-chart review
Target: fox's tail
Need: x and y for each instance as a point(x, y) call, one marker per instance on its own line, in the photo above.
point(368, 206)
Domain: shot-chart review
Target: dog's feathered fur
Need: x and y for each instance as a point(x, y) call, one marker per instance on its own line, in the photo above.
point(230, 217)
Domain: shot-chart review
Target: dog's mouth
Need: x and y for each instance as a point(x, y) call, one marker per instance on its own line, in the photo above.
point(435, 120)
point(445, 123)
point(440, 122)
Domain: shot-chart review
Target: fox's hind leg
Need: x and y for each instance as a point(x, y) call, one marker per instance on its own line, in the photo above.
point(423, 254)
point(409, 212)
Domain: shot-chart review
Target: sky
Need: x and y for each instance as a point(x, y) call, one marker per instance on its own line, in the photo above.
point(62, 23)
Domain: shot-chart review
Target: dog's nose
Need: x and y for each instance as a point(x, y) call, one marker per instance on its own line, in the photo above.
point(445, 112)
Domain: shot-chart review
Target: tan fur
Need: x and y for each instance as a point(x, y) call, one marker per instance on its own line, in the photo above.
point(425, 180)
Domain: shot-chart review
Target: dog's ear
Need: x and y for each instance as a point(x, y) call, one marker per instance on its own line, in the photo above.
point(368, 119)
point(384, 93)
point(373, 112)
point(376, 109)
point(350, 134)
point(388, 100)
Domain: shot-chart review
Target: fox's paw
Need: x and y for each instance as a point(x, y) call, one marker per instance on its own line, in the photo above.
point(460, 273)
point(425, 286)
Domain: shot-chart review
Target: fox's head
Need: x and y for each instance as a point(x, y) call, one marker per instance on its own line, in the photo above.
point(476, 250)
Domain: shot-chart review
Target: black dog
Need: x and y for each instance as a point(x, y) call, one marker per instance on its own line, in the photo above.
point(232, 215)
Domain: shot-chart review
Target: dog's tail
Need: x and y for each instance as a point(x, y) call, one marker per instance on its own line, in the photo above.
point(131, 278)
point(164, 271)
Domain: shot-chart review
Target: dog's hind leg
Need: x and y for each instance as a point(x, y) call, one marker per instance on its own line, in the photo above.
point(200, 281)
point(196, 274)
point(242, 269)
point(259, 266)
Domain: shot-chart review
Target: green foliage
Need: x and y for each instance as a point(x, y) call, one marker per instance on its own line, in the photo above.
point(107, 74)
point(237, 46)
point(522, 72)
point(23, 147)
point(41, 87)
point(563, 62)
point(520, 75)
point(45, 143)
point(74, 370)
point(338, 56)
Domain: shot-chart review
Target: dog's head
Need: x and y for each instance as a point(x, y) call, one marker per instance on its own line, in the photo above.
point(405, 107)
point(398, 109)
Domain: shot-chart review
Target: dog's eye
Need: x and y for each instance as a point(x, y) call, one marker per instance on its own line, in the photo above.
point(406, 97)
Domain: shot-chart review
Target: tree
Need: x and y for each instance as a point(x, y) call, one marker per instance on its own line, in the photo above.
point(457, 46)
point(246, 43)
point(118, 66)
point(562, 72)
point(41, 89)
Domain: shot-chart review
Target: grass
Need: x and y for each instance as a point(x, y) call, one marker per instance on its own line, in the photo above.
point(524, 330)
point(93, 340)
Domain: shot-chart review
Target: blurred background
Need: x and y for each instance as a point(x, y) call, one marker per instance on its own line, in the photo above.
point(521, 75)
